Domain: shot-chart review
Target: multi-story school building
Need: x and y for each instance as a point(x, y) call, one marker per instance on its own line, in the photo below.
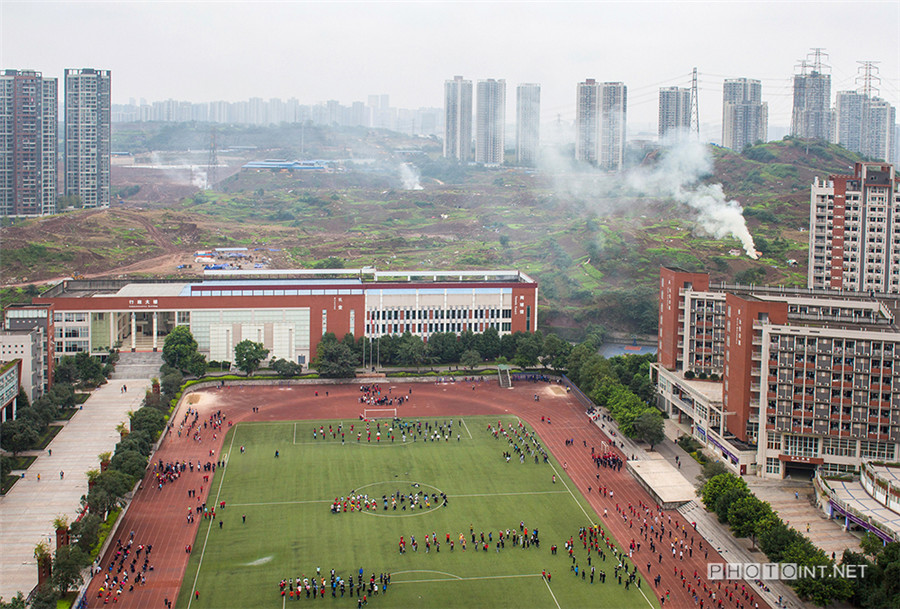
point(287, 311)
point(780, 380)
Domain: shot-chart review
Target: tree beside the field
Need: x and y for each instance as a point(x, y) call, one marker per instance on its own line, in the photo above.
point(470, 359)
point(68, 563)
point(180, 352)
point(285, 368)
point(648, 427)
point(248, 355)
point(335, 360)
point(411, 351)
point(748, 515)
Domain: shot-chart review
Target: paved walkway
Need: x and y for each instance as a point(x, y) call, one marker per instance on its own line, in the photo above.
point(718, 535)
point(800, 513)
point(27, 511)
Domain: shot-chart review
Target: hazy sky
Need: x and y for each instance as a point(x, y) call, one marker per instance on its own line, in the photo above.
point(315, 51)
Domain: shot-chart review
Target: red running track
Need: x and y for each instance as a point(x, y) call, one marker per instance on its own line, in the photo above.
point(158, 516)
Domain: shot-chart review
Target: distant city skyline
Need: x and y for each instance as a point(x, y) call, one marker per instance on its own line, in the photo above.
point(317, 52)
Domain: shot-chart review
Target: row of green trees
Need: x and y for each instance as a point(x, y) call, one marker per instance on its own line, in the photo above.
point(622, 385)
point(729, 497)
point(339, 358)
point(84, 370)
point(880, 587)
point(181, 354)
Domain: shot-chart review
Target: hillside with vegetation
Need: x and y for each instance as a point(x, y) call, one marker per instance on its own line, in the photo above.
point(595, 256)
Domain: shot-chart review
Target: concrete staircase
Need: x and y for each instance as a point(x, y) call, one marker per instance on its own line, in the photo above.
point(142, 365)
point(505, 378)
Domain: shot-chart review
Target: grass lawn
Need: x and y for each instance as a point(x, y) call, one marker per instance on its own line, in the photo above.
point(290, 529)
point(66, 414)
point(21, 462)
point(45, 438)
point(7, 483)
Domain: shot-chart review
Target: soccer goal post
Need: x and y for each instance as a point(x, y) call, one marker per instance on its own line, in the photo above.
point(372, 414)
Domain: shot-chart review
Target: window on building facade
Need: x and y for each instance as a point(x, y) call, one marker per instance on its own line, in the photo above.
point(839, 447)
point(801, 446)
point(876, 450)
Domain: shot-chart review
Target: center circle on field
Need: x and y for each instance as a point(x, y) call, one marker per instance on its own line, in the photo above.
point(389, 487)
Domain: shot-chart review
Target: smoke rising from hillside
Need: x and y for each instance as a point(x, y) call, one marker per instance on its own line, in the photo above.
point(677, 175)
point(409, 175)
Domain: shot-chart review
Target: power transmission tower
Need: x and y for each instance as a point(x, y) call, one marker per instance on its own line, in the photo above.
point(816, 63)
point(695, 106)
point(867, 78)
point(212, 165)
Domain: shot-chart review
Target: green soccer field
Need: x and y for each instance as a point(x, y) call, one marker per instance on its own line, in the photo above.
point(291, 530)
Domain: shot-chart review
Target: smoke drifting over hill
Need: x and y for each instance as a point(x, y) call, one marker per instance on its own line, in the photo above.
point(676, 176)
point(409, 174)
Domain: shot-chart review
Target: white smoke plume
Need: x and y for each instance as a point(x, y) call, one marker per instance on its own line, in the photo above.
point(409, 175)
point(684, 163)
point(677, 176)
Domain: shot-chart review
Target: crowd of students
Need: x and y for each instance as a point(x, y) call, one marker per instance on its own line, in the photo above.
point(520, 440)
point(319, 586)
point(124, 569)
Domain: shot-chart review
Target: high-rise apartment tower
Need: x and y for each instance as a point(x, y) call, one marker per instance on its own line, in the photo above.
point(864, 124)
point(811, 115)
point(87, 133)
point(490, 121)
point(745, 117)
point(28, 126)
point(854, 231)
point(674, 111)
point(458, 119)
point(613, 107)
point(587, 121)
point(528, 124)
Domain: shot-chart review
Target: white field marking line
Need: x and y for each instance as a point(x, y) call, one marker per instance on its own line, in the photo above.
point(550, 590)
point(283, 502)
point(284, 602)
point(295, 432)
point(591, 520)
point(466, 425)
point(462, 579)
point(575, 499)
point(454, 496)
point(511, 494)
point(425, 571)
point(209, 528)
point(645, 597)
